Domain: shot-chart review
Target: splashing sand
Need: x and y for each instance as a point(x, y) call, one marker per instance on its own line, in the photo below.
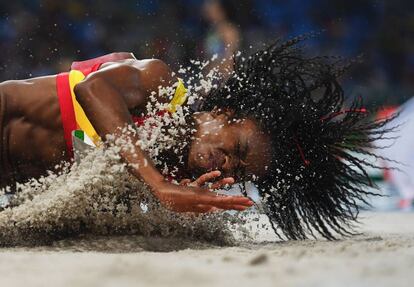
point(98, 197)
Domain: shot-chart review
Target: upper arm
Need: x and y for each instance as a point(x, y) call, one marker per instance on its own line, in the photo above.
point(108, 95)
point(134, 81)
point(121, 78)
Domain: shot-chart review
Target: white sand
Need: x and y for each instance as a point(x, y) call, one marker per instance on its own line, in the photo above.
point(383, 256)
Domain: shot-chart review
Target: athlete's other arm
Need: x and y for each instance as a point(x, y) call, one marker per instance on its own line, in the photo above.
point(106, 97)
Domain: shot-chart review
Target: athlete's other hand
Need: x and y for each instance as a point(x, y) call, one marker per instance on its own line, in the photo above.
point(208, 178)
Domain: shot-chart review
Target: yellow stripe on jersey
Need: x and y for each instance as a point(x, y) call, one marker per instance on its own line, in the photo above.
point(75, 77)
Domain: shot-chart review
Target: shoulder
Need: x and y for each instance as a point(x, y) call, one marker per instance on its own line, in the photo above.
point(152, 66)
point(146, 67)
point(154, 72)
point(146, 75)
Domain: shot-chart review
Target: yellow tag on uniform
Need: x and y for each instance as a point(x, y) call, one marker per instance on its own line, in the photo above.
point(179, 98)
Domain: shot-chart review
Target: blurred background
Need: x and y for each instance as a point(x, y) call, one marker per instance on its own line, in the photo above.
point(41, 37)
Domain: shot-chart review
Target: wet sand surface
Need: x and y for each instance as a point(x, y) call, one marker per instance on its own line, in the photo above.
point(382, 256)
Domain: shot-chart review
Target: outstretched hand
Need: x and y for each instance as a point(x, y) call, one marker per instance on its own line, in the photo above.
point(192, 197)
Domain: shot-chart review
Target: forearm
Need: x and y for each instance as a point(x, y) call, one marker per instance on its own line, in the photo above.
point(140, 165)
point(109, 114)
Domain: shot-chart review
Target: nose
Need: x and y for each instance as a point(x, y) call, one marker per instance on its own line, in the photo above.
point(228, 166)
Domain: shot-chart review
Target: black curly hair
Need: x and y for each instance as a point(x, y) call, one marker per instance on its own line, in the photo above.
point(316, 178)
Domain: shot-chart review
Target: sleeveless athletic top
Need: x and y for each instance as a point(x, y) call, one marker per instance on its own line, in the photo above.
point(72, 114)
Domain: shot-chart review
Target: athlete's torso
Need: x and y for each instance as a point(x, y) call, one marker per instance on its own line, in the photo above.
point(32, 133)
point(32, 130)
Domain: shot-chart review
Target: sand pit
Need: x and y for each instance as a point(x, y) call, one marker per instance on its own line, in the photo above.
point(382, 256)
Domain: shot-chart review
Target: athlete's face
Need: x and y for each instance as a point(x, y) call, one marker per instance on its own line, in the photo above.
point(237, 148)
